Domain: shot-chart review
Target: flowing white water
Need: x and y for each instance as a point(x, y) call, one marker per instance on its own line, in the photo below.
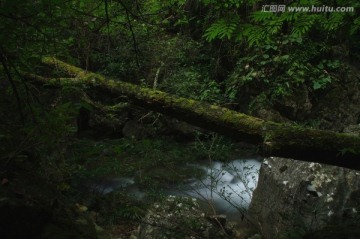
point(226, 187)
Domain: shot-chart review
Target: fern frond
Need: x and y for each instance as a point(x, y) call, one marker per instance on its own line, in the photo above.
point(220, 29)
point(259, 17)
point(274, 26)
point(334, 21)
point(303, 24)
point(355, 27)
point(254, 35)
point(289, 16)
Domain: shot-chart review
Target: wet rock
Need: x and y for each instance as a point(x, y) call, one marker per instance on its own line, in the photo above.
point(181, 217)
point(294, 197)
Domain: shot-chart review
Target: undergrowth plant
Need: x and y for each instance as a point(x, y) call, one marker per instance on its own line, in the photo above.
point(281, 52)
point(278, 70)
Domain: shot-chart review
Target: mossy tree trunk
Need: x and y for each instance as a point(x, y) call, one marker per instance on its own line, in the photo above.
point(273, 138)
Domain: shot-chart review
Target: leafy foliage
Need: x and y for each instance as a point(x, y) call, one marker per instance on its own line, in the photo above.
point(209, 50)
point(220, 29)
point(278, 70)
point(276, 61)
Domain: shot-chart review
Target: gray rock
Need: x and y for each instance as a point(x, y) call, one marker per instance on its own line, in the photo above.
point(181, 217)
point(294, 197)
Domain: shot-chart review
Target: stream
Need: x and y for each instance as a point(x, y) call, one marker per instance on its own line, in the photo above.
point(226, 187)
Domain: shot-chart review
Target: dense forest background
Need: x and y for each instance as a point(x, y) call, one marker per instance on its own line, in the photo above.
point(297, 68)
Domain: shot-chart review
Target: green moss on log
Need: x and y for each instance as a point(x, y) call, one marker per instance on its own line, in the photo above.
point(276, 139)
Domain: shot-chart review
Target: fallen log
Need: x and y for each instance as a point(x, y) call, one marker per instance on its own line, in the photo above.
point(274, 139)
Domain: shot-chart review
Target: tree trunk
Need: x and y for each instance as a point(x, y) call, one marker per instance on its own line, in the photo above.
point(274, 139)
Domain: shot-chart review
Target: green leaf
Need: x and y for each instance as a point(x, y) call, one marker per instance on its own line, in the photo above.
point(260, 16)
point(220, 29)
point(334, 21)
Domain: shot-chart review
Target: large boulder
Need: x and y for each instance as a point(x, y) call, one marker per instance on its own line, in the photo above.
point(181, 217)
point(295, 198)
